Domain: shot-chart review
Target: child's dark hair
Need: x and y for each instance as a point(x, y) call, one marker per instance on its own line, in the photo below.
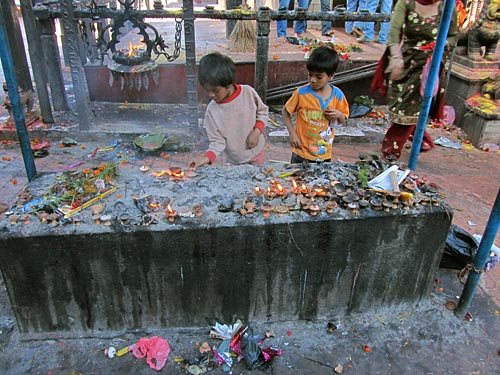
point(323, 59)
point(216, 70)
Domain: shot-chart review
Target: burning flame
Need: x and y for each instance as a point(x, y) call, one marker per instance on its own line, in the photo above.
point(257, 190)
point(319, 191)
point(176, 173)
point(154, 205)
point(294, 184)
point(170, 211)
point(133, 49)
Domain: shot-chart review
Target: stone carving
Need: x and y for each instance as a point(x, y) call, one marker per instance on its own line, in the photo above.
point(483, 32)
point(26, 98)
point(491, 88)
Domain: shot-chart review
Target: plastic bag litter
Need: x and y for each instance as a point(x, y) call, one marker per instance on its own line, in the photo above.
point(358, 110)
point(251, 351)
point(448, 115)
point(460, 249)
point(445, 142)
point(155, 348)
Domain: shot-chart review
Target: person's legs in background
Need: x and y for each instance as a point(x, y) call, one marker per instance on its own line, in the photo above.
point(385, 8)
point(352, 6)
point(326, 26)
point(281, 25)
point(300, 27)
point(368, 27)
point(396, 137)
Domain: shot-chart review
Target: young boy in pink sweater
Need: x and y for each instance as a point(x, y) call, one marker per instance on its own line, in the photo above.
point(235, 117)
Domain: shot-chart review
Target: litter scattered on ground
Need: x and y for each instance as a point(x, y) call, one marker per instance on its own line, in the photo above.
point(445, 142)
point(461, 248)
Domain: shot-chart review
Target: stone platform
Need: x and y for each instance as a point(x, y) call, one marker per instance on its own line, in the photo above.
point(144, 271)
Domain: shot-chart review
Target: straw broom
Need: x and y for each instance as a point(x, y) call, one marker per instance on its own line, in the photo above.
point(244, 35)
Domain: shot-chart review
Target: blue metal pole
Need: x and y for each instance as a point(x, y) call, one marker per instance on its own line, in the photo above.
point(480, 260)
point(437, 56)
point(15, 101)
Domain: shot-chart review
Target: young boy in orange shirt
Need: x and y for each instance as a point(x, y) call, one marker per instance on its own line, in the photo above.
point(318, 105)
point(235, 118)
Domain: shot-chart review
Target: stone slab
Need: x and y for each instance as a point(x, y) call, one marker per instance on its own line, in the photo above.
point(89, 279)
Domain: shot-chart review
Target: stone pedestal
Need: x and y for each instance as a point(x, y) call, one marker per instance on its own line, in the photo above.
point(90, 279)
point(466, 79)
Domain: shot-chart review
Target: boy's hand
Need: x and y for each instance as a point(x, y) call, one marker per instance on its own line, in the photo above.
point(332, 114)
point(199, 161)
point(294, 140)
point(253, 138)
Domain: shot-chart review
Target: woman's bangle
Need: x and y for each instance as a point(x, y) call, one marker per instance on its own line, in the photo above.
point(397, 57)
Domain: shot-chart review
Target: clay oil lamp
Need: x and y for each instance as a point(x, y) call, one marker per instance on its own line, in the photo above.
point(266, 209)
point(304, 202)
point(52, 218)
point(176, 174)
point(191, 172)
point(434, 201)
point(273, 183)
point(105, 220)
point(350, 197)
point(198, 210)
point(153, 205)
point(330, 206)
point(363, 203)
point(96, 218)
point(423, 199)
point(395, 196)
point(387, 205)
point(258, 190)
point(281, 210)
point(295, 188)
point(270, 193)
point(319, 192)
point(314, 209)
point(97, 208)
point(304, 189)
point(340, 189)
point(353, 207)
point(171, 213)
point(376, 204)
point(144, 168)
point(13, 219)
point(250, 207)
point(124, 217)
point(410, 185)
point(25, 218)
point(76, 219)
point(43, 217)
point(280, 190)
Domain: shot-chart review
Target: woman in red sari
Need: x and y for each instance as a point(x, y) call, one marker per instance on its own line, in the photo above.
point(412, 35)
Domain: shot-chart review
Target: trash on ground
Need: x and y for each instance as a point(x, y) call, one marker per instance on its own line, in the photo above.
point(445, 142)
point(460, 250)
point(110, 352)
point(155, 348)
point(125, 350)
point(490, 147)
point(150, 142)
point(68, 142)
point(238, 342)
point(359, 110)
point(224, 331)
